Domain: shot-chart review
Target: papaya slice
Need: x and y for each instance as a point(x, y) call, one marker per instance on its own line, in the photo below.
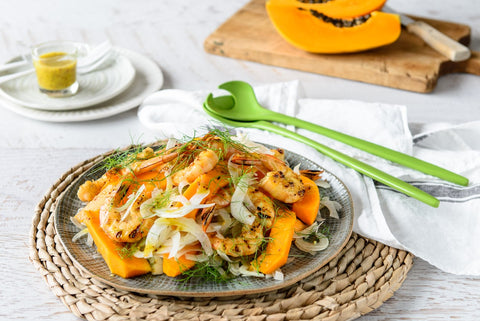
point(126, 267)
point(281, 235)
point(307, 208)
point(314, 31)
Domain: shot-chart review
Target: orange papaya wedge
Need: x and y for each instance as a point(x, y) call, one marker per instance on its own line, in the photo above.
point(126, 267)
point(175, 266)
point(307, 208)
point(314, 31)
point(278, 247)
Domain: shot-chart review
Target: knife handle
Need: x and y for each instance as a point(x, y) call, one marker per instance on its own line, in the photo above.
point(450, 48)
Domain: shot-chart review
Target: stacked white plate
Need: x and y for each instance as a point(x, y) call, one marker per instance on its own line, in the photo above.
point(118, 86)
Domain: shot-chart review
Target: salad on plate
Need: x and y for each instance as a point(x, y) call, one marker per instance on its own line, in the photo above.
point(211, 207)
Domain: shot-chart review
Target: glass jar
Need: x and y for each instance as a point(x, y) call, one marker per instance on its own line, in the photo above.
point(56, 68)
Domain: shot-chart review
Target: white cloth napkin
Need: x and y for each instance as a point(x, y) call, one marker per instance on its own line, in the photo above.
point(447, 237)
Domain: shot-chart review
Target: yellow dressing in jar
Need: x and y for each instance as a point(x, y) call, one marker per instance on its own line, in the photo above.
point(55, 64)
point(55, 70)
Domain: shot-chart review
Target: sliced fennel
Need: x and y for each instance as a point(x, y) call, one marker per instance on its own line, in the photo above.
point(239, 210)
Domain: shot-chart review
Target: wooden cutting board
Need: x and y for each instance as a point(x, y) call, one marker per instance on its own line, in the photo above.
point(406, 64)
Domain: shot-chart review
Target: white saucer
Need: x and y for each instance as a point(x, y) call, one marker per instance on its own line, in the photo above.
point(95, 87)
point(148, 79)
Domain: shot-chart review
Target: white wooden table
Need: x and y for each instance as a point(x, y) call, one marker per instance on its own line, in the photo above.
point(34, 154)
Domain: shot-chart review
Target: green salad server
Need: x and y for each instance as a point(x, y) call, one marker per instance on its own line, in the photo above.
point(242, 106)
point(351, 162)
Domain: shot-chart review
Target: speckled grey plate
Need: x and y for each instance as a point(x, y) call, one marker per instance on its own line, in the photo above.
point(299, 268)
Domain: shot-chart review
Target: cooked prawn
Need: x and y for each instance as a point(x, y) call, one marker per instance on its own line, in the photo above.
point(88, 190)
point(213, 151)
point(154, 162)
point(279, 153)
point(279, 180)
point(223, 151)
point(251, 237)
point(222, 199)
point(247, 243)
point(203, 163)
point(262, 207)
point(311, 173)
point(120, 225)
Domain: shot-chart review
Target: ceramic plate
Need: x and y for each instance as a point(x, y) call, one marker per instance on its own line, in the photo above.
point(300, 267)
point(95, 87)
point(148, 79)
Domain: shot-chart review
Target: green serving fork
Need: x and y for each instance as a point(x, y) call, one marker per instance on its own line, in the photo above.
point(243, 106)
point(351, 162)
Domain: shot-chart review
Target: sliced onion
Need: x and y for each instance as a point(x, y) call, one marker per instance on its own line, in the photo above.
point(227, 220)
point(195, 202)
point(277, 275)
point(190, 226)
point(89, 240)
point(180, 199)
point(306, 231)
point(239, 211)
point(130, 202)
point(184, 240)
point(157, 235)
point(214, 228)
point(322, 183)
point(76, 222)
point(157, 191)
point(103, 214)
point(243, 139)
point(197, 258)
point(224, 256)
point(169, 180)
point(234, 170)
point(311, 248)
point(171, 142)
point(220, 236)
point(181, 186)
point(80, 234)
point(296, 169)
point(146, 207)
point(167, 246)
point(243, 269)
point(236, 268)
point(140, 254)
point(164, 249)
point(156, 262)
point(248, 203)
point(175, 244)
point(332, 206)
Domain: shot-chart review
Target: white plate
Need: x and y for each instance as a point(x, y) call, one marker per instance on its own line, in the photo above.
point(148, 79)
point(95, 87)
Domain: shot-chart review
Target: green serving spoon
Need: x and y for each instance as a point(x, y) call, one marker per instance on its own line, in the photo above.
point(243, 106)
point(351, 162)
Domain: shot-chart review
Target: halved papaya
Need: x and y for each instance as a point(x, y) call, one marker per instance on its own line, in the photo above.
point(312, 30)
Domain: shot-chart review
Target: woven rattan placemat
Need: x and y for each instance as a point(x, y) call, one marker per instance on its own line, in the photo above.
point(363, 276)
